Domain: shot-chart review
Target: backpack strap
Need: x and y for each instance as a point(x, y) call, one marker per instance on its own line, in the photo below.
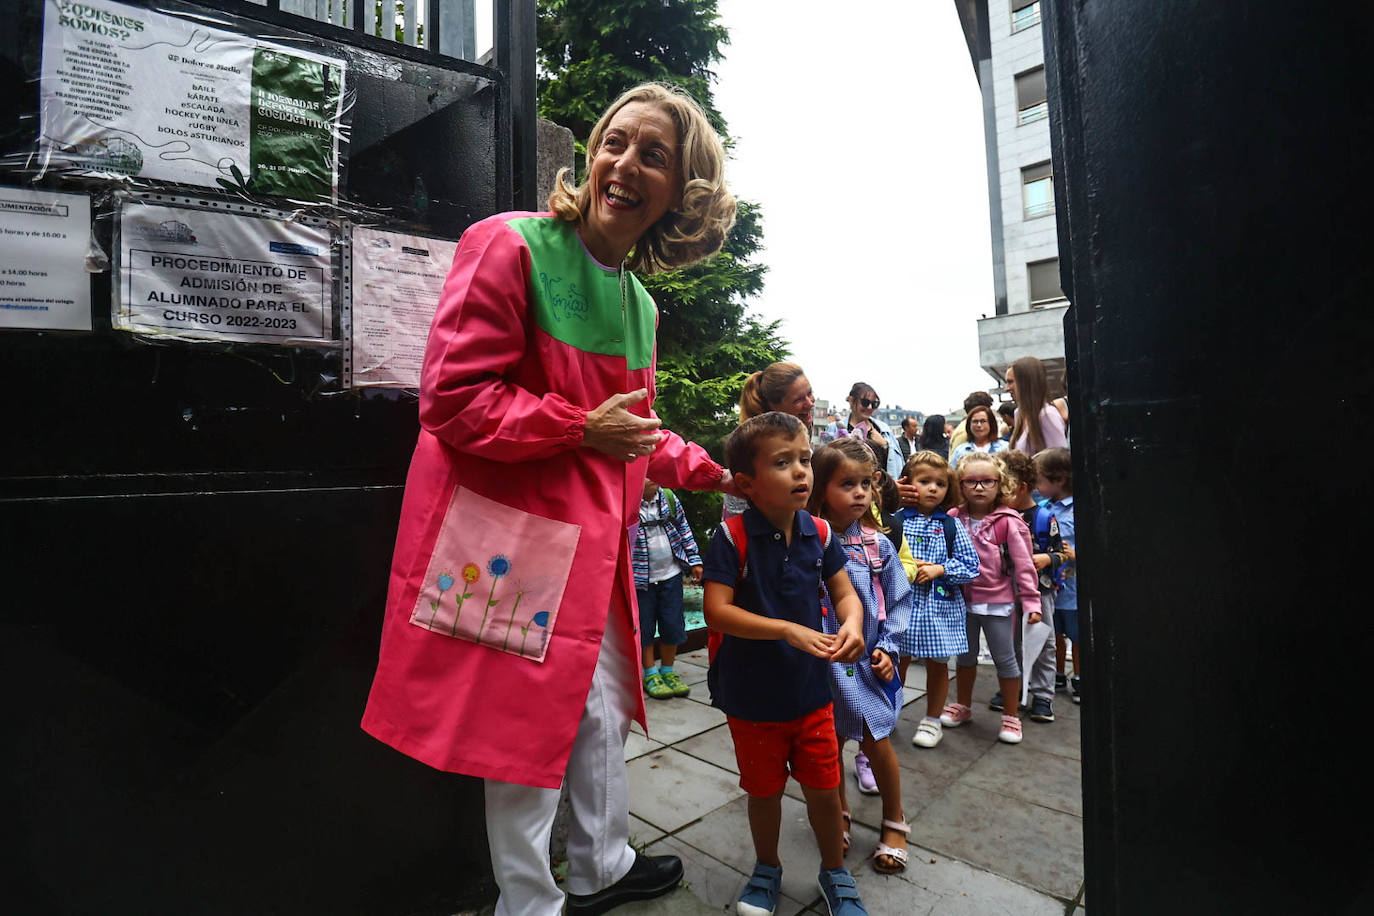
point(948, 524)
point(1043, 519)
point(735, 534)
point(671, 498)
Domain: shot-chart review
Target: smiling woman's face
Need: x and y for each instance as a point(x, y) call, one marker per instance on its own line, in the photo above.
point(634, 180)
point(862, 407)
point(798, 400)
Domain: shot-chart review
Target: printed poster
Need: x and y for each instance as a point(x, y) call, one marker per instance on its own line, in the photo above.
point(397, 280)
point(222, 276)
point(44, 236)
point(127, 91)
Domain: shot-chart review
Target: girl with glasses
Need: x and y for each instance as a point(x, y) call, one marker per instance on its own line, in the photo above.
point(1006, 579)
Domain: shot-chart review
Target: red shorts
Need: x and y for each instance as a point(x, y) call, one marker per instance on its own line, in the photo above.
point(766, 751)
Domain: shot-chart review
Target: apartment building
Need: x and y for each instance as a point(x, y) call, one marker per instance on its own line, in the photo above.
point(1026, 319)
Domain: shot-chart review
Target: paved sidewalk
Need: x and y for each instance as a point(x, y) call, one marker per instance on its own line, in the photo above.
point(996, 828)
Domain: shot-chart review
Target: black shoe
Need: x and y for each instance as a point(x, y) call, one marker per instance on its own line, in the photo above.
point(1042, 710)
point(1060, 682)
point(995, 704)
point(1076, 689)
point(649, 877)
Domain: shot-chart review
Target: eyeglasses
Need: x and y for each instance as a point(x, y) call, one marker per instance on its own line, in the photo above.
point(978, 420)
point(978, 483)
point(867, 403)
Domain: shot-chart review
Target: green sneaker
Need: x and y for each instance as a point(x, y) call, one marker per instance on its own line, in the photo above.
point(676, 684)
point(656, 687)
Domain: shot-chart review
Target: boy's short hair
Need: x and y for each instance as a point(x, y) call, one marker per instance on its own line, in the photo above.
point(742, 445)
point(1007, 409)
point(937, 461)
point(1056, 464)
point(977, 399)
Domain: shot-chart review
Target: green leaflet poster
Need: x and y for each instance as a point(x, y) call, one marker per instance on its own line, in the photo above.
point(129, 92)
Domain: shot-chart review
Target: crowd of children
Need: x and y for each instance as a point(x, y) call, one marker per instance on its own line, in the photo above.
point(825, 589)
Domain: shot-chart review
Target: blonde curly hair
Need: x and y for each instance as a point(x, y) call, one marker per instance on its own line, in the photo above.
point(696, 229)
point(1006, 483)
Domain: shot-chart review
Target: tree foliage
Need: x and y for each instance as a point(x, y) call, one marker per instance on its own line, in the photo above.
point(589, 52)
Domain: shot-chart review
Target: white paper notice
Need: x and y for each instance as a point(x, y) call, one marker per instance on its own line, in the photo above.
point(129, 91)
point(396, 284)
point(44, 236)
point(221, 276)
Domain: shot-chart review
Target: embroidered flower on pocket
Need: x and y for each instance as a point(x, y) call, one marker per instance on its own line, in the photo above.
point(499, 567)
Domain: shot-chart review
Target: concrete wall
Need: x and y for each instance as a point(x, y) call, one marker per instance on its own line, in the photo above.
point(555, 151)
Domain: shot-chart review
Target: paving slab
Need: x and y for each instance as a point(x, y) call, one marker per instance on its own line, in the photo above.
point(1031, 775)
point(713, 746)
point(672, 720)
point(691, 672)
point(1029, 844)
point(670, 789)
point(643, 833)
point(725, 833)
point(637, 745)
point(711, 882)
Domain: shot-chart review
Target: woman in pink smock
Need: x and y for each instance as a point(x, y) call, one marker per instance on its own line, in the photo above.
point(1040, 422)
point(509, 649)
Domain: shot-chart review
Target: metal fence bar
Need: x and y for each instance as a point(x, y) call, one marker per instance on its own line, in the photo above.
point(410, 10)
point(389, 19)
point(369, 17)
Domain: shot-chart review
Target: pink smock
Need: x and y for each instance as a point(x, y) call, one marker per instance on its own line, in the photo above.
point(529, 334)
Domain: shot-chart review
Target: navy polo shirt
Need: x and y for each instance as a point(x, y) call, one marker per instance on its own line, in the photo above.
point(766, 680)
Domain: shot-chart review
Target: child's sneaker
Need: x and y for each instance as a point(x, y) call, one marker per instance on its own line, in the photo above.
point(1042, 710)
point(955, 714)
point(928, 733)
point(1011, 730)
point(841, 896)
point(760, 895)
point(1076, 689)
point(675, 683)
point(656, 687)
point(995, 704)
point(1060, 683)
point(863, 772)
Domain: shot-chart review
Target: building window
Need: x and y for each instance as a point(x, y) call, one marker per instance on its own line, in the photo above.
point(1044, 282)
point(1037, 190)
point(1024, 14)
point(1031, 103)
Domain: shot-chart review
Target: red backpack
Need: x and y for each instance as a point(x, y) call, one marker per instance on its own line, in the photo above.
point(734, 530)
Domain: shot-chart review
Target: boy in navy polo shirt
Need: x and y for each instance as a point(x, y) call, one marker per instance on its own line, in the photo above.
point(770, 674)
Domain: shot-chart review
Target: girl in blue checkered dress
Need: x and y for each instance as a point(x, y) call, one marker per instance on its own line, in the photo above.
point(945, 558)
point(866, 691)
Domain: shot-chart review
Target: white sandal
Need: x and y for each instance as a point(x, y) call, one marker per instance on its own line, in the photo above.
point(897, 855)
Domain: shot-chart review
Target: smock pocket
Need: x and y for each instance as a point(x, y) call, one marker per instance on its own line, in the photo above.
point(496, 576)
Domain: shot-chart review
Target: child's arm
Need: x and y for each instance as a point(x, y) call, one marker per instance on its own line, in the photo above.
point(849, 611)
point(724, 615)
point(898, 594)
point(1023, 568)
point(908, 561)
point(962, 567)
point(689, 543)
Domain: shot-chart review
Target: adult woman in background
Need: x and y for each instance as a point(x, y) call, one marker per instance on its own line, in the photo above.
point(536, 436)
point(783, 387)
point(933, 438)
point(1040, 424)
point(863, 401)
point(981, 428)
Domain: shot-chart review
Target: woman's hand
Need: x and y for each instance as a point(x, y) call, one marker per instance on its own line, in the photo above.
point(727, 485)
point(812, 642)
point(927, 572)
point(614, 431)
point(908, 492)
point(882, 665)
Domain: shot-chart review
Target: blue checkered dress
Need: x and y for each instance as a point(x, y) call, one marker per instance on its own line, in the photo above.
point(937, 615)
point(859, 696)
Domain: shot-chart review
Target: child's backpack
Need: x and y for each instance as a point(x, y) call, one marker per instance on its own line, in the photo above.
point(672, 500)
point(1044, 529)
point(734, 528)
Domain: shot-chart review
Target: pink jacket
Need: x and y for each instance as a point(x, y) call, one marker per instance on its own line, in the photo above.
point(504, 397)
point(1003, 525)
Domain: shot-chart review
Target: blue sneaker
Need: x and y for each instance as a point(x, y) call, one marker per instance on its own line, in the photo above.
point(841, 896)
point(760, 896)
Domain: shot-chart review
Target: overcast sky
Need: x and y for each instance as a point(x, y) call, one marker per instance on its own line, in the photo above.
point(858, 130)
